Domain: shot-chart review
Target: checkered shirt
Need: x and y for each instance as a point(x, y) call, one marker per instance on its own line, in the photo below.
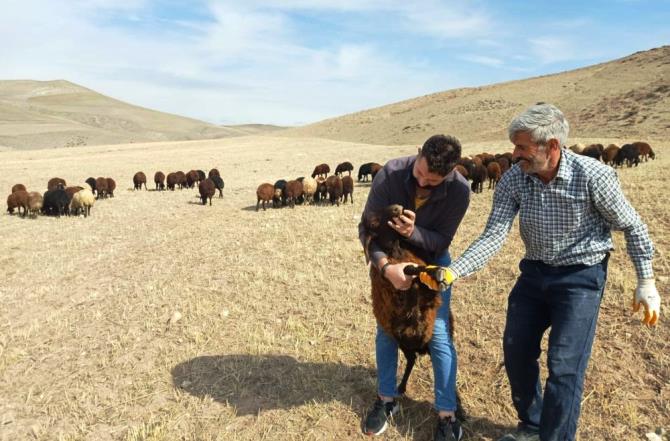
point(565, 222)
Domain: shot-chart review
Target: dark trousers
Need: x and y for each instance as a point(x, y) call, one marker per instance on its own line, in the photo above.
point(567, 299)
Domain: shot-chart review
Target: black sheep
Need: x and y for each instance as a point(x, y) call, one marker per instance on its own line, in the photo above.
point(56, 202)
point(218, 183)
point(344, 167)
point(91, 182)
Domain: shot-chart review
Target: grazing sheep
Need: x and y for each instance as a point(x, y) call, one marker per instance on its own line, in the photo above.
point(628, 153)
point(207, 190)
point(461, 170)
point(55, 183)
point(172, 181)
point(139, 179)
point(35, 203)
point(504, 163)
point(18, 200)
point(594, 151)
point(645, 150)
point(191, 178)
point(92, 183)
point(309, 187)
point(321, 170)
point(264, 194)
point(181, 179)
point(334, 186)
point(82, 200)
point(56, 202)
point(218, 183)
point(407, 316)
point(71, 191)
point(292, 192)
point(213, 172)
point(18, 187)
point(348, 189)
point(344, 167)
point(159, 180)
point(479, 175)
point(321, 190)
point(101, 186)
point(609, 154)
point(278, 199)
point(577, 148)
point(375, 169)
point(111, 186)
point(201, 176)
point(469, 166)
point(364, 170)
point(493, 172)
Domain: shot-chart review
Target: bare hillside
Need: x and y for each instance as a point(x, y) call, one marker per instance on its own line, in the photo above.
point(53, 114)
point(625, 98)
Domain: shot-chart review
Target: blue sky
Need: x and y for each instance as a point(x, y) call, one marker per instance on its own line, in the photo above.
point(292, 62)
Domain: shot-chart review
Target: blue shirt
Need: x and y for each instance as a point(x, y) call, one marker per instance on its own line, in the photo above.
point(565, 222)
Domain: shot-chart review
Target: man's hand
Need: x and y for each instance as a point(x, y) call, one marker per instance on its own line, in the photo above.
point(437, 278)
point(395, 274)
point(646, 294)
point(404, 224)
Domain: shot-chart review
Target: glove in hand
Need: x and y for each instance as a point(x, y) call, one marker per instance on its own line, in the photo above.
point(435, 277)
point(646, 295)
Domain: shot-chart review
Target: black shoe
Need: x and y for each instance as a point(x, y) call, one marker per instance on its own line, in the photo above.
point(378, 417)
point(448, 430)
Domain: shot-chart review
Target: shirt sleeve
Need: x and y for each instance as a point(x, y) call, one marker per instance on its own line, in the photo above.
point(503, 212)
point(611, 203)
point(377, 200)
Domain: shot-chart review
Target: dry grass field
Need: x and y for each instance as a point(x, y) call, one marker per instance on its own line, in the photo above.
point(276, 335)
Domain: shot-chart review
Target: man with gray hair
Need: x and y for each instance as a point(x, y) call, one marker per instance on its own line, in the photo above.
point(567, 205)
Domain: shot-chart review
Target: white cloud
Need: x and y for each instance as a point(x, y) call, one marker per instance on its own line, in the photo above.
point(486, 61)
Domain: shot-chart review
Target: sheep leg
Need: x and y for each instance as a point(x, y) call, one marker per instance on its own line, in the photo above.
point(411, 359)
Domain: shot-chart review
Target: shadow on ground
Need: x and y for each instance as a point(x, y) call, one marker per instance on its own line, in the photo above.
point(253, 384)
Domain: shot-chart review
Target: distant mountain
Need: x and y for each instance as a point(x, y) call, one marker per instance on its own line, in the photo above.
point(627, 98)
point(52, 114)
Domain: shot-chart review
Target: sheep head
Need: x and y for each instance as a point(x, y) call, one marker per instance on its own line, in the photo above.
point(381, 233)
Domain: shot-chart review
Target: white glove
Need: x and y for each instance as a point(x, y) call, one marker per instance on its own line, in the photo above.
point(646, 294)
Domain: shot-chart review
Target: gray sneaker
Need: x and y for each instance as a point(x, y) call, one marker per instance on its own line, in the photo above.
point(378, 417)
point(522, 434)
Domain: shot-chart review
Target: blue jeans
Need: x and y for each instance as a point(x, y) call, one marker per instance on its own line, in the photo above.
point(567, 299)
point(442, 354)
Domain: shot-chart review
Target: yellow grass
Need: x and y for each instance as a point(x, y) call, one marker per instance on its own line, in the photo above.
point(276, 338)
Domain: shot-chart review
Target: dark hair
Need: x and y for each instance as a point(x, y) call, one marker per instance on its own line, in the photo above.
point(441, 153)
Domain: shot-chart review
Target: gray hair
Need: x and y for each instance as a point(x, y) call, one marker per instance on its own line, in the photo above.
point(543, 122)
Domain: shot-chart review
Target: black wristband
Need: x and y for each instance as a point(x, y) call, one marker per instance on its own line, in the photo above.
point(383, 269)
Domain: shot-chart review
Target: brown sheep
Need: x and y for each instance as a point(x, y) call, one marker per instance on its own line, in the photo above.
point(181, 179)
point(461, 170)
point(159, 180)
point(645, 150)
point(577, 148)
point(504, 163)
point(171, 181)
point(207, 190)
point(18, 187)
point(594, 151)
point(407, 316)
point(609, 154)
point(374, 169)
point(111, 186)
point(292, 192)
point(72, 190)
point(213, 172)
point(345, 166)
point(493, 172)
point(55, 183)
point(101, 187)
point(18, 200)
point(334, 186)
point(321, 170)
point(479, 175)
point(35, 202)
point(191, 178)
point(348, 188)
point(321, 190)
point(139, 179)
point(264, 194)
